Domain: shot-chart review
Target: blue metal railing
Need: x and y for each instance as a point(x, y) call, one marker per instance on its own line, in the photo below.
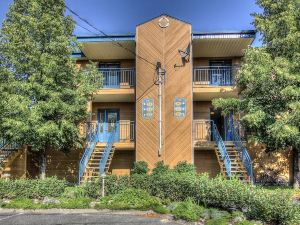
point(221, 147)
point(243, 153)
point(215, 75)
point(107, 149)
point(91, 140)
point(118, 77)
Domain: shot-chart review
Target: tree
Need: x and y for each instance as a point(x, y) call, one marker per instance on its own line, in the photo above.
point(269, 81)
point(43, 93)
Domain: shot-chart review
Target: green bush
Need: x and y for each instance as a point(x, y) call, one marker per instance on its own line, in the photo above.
point(129, 199)
point(160, 168)
point(51, 187)
point(140, 167)
point(76, 203)
point(188, 210)
point(184, 167)
point(74, 192)
point(160, 209)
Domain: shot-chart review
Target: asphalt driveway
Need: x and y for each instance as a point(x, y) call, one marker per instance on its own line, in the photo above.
point(80, 217)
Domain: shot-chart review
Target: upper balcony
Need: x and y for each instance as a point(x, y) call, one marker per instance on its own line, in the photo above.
point(214, 82)
point(117, 86)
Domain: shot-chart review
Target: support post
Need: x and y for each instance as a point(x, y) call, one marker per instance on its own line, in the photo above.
point(103, 185)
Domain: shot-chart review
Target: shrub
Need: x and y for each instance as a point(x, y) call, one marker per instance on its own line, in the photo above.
point(76, 203)
point(184, 167)
point(160, 209)
point(160, 168)
point(140, 167)
point(74, 192)
point(188, 210)
point(129, 199)
point(51, 187)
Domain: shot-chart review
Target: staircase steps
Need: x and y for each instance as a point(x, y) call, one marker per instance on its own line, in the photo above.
point(92, 168)
point(237, 168)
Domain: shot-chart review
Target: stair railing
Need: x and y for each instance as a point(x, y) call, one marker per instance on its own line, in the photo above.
point(108, 148)
point(91, 141)
point(221, 147)
point(242, 151)
point(6, 149)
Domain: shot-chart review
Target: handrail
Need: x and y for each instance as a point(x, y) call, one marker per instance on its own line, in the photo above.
point(215, 75)
point(107, 150)
point(91, 140)
point(118, 77)
point(222, 149)
point(242, 151)
point(6, 149)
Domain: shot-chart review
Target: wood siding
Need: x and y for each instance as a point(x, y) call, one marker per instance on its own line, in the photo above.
point(206, 162)
point(158, 44)
point(122, 162)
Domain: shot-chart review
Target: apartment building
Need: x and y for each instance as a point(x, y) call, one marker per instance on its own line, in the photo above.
point(155, 103)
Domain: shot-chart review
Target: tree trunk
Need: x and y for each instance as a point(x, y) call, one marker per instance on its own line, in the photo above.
point(43, 164)
point(296, 158)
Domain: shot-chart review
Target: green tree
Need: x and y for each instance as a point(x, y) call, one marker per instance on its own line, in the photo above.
point(269, 81)
point(43, 93)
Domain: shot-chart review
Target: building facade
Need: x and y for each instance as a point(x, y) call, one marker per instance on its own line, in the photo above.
point(155, 104)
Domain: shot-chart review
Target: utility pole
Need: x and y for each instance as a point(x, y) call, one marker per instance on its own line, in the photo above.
point(160, 80)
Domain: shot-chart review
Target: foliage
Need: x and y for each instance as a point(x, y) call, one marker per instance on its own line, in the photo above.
point(43, 92)
point(74, 203)
point(50, 187)
point(160, 209)
point(218, 192)
point(129, 199)
point(140, 167)
point(187, 210)
point(269, 80)
point(160, 168)
point(74, 192)
point(221, 221)
point(185, 167)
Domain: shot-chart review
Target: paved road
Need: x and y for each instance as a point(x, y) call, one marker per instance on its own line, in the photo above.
point(78, 217)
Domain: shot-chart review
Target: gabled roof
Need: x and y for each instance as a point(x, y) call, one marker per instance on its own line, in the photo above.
point(164, 14)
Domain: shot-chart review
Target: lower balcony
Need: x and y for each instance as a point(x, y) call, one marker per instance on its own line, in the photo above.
point(121, 133)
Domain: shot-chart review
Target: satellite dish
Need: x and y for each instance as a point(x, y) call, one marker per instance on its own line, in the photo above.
point(185, 54)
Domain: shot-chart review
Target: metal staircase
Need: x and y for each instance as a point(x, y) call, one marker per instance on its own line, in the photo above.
point(221, 151)
point(245, 159)
point(8, 153)
point(97, 158)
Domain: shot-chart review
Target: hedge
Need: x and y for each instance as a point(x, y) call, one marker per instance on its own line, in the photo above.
point(219, 192)
point(50, 187)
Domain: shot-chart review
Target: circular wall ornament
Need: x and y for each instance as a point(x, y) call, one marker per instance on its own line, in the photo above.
point(163, 22)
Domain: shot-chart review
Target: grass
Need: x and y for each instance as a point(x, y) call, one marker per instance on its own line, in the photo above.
point(188, 210)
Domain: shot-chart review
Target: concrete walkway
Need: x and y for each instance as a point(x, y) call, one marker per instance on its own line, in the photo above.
point(80, 217)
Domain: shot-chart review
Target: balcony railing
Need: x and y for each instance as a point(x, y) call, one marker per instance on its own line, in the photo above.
point(215, 75)
point(118, 77)
point(125, 131)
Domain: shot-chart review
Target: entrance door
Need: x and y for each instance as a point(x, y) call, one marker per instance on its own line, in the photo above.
point(228, 129)
point(108, 124)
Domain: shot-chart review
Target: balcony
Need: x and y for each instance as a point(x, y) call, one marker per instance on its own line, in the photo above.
point(125, 133)
point(118, 85)
point(202, 133)
point(214, 82)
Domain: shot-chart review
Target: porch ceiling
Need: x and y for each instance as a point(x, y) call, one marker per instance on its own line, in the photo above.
point(222, 44)
point(108, 50)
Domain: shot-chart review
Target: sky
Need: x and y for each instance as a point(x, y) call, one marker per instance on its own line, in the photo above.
point(122, 16)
